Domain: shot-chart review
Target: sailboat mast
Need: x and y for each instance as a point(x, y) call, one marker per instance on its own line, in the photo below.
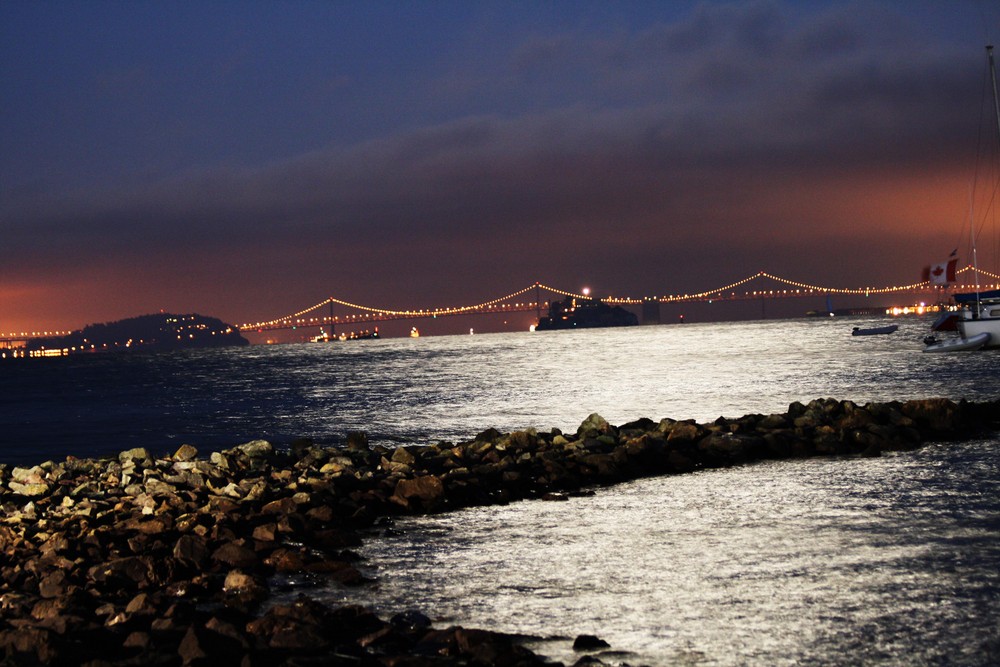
point(993, 80)
point(996, 128)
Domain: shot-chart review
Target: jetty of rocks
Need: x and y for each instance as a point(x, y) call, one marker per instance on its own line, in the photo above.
point(144, 560)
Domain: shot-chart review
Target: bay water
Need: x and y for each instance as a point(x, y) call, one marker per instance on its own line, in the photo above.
point(889, 561)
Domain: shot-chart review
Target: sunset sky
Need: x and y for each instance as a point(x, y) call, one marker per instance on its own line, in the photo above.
point(248, 159)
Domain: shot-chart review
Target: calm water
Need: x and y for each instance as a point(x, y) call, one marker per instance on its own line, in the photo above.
point(890, 561)
point(453, 387)
point(894, 561)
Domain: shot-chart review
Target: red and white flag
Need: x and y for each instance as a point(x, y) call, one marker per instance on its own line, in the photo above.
point(942, 273)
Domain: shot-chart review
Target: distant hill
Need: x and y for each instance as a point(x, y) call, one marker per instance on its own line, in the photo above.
point(162, 331)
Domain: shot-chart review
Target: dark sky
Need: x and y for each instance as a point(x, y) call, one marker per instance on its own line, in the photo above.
point(248, 159)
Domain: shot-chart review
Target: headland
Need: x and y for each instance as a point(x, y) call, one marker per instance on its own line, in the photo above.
point(160, 332)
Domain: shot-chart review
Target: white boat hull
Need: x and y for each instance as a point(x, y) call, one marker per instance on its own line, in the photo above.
point(960, 344)
point(988, 325)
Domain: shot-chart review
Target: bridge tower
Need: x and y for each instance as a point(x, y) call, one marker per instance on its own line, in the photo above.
point(538, 303)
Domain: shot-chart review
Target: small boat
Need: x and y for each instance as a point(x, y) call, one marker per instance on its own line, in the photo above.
point(957, 344)
point(875, 331)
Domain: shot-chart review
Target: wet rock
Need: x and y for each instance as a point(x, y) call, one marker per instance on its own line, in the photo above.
point(593, 426)
point(589, 643)
point(939, 415)
point(773, 422)
point(684, 431)
point(411, 621)
point(490, 435)
point(402, 455)
point(240, 583)
point(357, 440)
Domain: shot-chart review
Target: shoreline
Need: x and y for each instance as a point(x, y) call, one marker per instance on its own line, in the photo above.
point(170, 560)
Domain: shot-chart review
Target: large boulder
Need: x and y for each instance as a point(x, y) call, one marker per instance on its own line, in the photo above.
point(427, 489)
point(593, 426)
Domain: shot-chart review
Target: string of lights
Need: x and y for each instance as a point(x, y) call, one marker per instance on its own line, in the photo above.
point(797, 288)
point(429, 312)
point(493, 305)
point(34, 334)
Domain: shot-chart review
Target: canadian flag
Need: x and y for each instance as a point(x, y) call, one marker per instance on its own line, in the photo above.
point(943, 273)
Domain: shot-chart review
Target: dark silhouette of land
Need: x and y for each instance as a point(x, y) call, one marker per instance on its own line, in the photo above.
point(159, 332)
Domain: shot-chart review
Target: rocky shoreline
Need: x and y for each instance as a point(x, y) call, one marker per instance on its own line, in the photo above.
point(143, 560)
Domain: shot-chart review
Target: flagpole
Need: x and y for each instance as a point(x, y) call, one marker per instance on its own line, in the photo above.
point(975, 260)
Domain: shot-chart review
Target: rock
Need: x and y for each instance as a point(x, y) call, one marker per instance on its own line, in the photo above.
point(723, 446)
point(939, 415)
point(410, 621)
point(684, 431)
point(191, 549)
point(238, 582)
point(28, 641)
point(141, 604)
point(235, 554)
point(265, 532)
point(339, 571)
point(34, 475)
point(593, 426)
point(427, 488)
point(128, 570)
point(29, 490)
point(357, 441)
point(190, 649)
point(53, 585)
point(285, 560)
point(772, 422)
point(185, 453)
point(256, 449)
point(490, 435)
point(280, 507)
point(136, 455)
point(401, 455)
point(589, 643)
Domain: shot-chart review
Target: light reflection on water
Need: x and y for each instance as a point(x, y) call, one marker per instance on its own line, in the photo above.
point(451, 388)
point(891, 561)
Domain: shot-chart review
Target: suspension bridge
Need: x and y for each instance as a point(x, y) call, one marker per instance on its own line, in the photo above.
point(759, 286)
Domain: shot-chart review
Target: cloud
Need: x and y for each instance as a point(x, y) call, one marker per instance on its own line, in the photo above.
point(705, 138)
